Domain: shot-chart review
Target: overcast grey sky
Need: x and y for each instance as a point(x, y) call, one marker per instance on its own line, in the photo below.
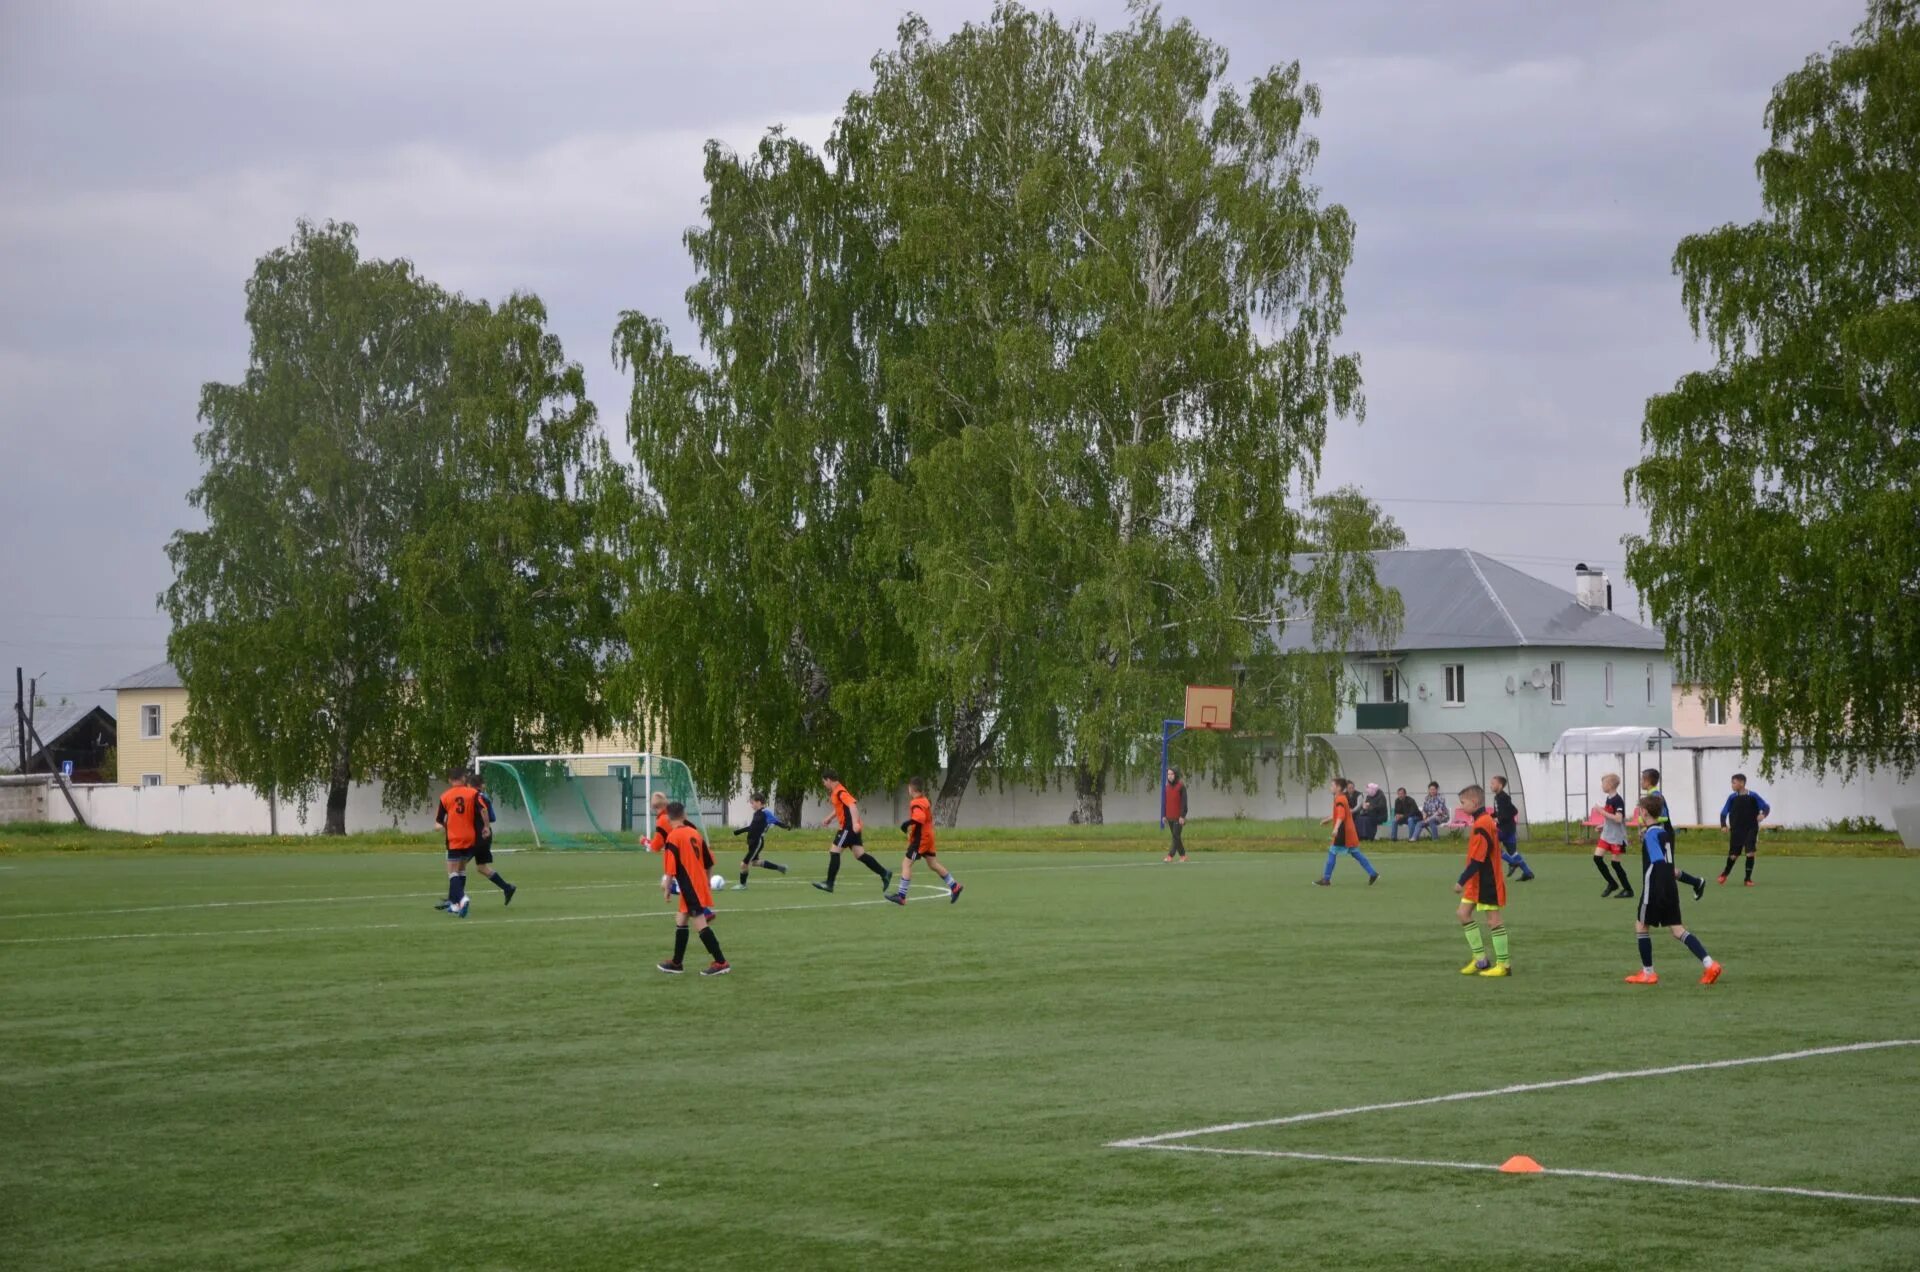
point(1519, 173)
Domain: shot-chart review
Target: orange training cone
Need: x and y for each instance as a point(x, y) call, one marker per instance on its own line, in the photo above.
point(1521, 1165)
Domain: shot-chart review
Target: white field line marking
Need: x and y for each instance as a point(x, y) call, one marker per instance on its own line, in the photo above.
point(412, 896)
point(1147, 1141)
point(1610, 1175)
point(237, 905)
point(383, 927)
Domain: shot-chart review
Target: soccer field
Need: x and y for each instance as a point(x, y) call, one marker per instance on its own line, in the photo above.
point(293, 1061)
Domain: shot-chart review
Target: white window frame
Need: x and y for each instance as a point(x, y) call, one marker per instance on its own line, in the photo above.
point(1609, 683)
point(153, 779)
point(159, 722)
point(1715, 710)
point(1390, 690)
point(1557, 683)
point(1453, 685)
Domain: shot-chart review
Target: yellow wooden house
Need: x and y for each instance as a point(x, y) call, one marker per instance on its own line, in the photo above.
point(152, 703)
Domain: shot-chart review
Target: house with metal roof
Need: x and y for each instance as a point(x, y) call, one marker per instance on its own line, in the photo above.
point(75, 738)
point(151, 704)
point(1484, 647)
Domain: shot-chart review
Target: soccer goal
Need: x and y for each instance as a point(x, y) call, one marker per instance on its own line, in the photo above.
point(585, 801)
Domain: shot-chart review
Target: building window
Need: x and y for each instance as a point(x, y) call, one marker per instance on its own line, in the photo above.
point(1456, 684)
point(152, 779)
point(1609, 670)
point(1389, 685)
point(150, 721)
point(1649, 684)
point(1716, 710)
point(1557, 682)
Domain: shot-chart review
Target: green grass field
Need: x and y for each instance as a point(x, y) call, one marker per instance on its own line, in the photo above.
point(290, 1060)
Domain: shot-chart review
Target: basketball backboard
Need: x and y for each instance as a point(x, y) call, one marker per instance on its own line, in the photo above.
point(1209, 707)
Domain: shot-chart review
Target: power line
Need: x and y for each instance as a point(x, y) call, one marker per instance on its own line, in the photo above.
point(1500, 503)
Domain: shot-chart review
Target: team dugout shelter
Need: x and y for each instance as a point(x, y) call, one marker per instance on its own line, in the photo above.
point(1412, 760)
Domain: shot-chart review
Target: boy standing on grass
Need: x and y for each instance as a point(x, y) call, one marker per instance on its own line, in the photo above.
point(1613, 839)
point(1650, 786)
point(1660, 900)
point(1740, 817)
point(688, 862)
point(1482, 889)
point(919, 831)
point(1173, 810)
point(756, 833)
point(1346, 836)
point(842, 810)
point(462, 814)
point(1506, 816)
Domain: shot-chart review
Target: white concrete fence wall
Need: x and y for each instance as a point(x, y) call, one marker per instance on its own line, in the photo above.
point(1695, 782)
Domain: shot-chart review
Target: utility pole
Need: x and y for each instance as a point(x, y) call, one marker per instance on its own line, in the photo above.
point(20, 712)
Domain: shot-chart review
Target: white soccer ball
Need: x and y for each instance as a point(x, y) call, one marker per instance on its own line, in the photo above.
point(719, 882)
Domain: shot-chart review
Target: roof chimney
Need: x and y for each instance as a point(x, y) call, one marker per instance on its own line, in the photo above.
point(1591, 589)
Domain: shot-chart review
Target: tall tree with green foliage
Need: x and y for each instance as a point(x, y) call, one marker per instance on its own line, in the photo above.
point(1026, 375)
point(392, 547)
point(749, 607)
point(1782, 486)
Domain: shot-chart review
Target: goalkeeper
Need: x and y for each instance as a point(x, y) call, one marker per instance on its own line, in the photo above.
point(756, 832)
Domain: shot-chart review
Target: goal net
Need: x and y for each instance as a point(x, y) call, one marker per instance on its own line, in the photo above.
point(584, 801)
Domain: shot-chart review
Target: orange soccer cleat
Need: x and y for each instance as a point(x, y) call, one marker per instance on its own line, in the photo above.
point(1711, 974)
point(1643, 978)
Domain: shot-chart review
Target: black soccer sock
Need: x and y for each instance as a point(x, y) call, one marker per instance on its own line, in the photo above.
point(1600, 864)
point(744, 872)
point(873, 864)
point(679, 944)
point(1692, 942)
point(1646, 951)
point(456, 888)
point(774, 866)
point(499, 881)
point(1733, 859)
point(1620, 869)
point(833, 867)
point(1691, 880)
point(712, 942)
point(1749, 867)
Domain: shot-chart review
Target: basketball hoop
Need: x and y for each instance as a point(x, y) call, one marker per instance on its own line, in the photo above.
point(1210, 709)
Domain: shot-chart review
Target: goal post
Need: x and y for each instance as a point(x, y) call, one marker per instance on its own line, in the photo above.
point(597, 800)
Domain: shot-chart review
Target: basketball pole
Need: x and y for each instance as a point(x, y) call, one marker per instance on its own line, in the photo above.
point(1169, 730)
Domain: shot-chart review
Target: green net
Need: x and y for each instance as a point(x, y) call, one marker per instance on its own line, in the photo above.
point(583, 801)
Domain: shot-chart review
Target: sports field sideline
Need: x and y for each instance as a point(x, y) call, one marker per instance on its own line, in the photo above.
point(1094, 1060)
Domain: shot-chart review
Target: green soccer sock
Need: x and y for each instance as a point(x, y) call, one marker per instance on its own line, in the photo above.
point(1474, 942)
point(1500, 945)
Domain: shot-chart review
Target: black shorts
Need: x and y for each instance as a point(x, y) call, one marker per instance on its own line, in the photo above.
point(753, 850)
point(920, 854)
point(1742, 839)
point(481, 854)
point(847, 837)
point(1659, 896)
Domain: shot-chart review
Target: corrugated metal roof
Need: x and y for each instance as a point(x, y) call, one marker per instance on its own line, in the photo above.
point(1459, 599)
point(159, 676)
point(51, 724)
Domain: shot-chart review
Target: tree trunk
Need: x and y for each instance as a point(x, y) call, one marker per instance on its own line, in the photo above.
point(337, 784)
point(1089, 790)
point(786, 804)
point(966, 748)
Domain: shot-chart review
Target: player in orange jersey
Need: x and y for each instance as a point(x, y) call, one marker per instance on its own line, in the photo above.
point(1482, 888)
point(919, 831)
point(844, 815)
point(463, 815)
point(689, 863)
point(657, 842)
point(1346, 835)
